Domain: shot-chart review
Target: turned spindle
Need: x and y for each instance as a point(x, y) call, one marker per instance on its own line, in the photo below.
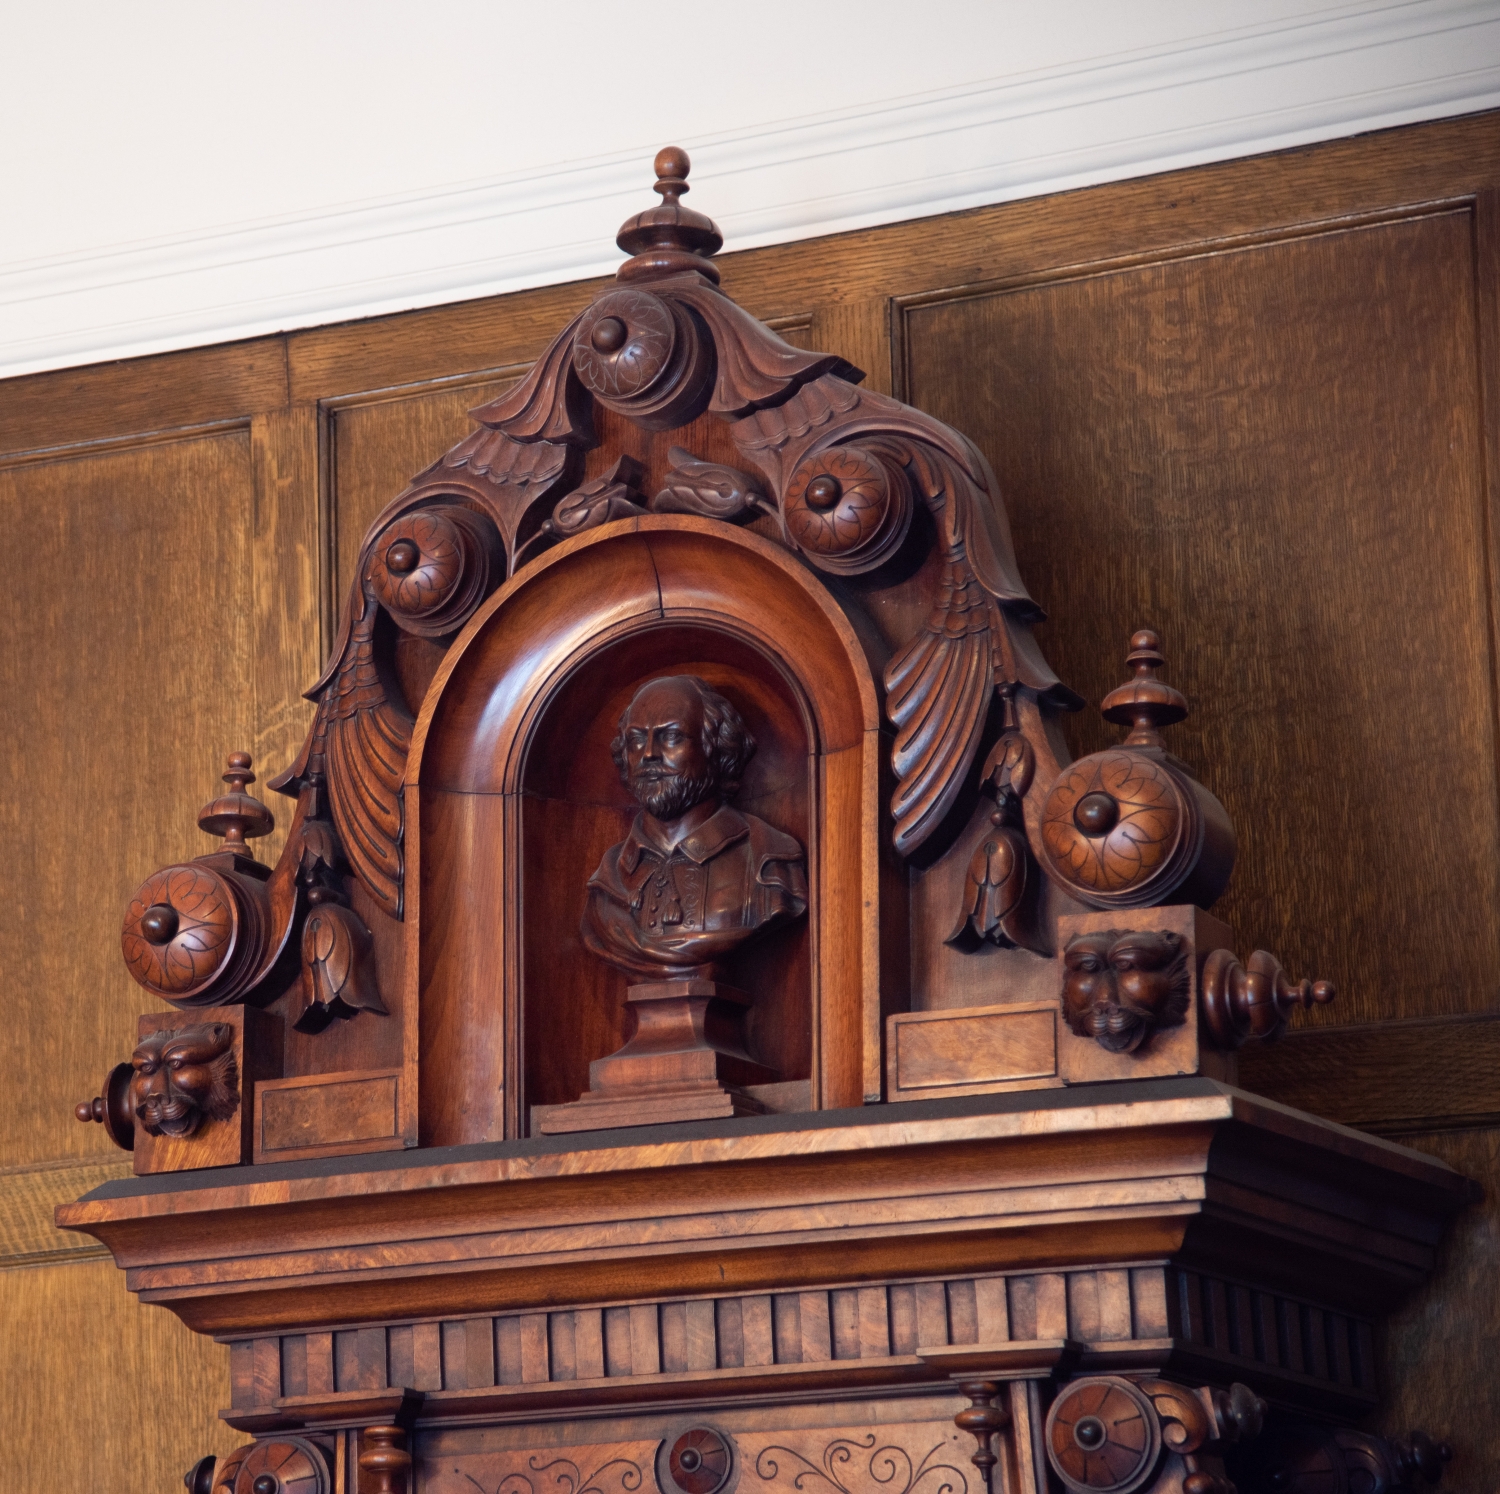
point(237, 816)
point(1420, 1458)
point(669, 238)
point(1253, 1001)
point(385, 1461)
point(112, 1108)
point(982, 1419)
point(1144, 703)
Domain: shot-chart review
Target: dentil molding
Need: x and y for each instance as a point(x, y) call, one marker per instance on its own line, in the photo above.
point(1255, 88)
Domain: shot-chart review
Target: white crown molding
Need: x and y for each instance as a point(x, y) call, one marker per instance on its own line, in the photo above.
point(1337, 72)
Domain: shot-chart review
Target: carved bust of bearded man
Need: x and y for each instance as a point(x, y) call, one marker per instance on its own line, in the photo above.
point(695, 877)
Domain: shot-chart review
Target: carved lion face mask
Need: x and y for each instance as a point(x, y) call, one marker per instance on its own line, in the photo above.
point(183, 1076)
point(1120, 987)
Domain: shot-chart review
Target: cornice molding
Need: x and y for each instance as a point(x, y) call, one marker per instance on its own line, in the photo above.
point(1233, 93)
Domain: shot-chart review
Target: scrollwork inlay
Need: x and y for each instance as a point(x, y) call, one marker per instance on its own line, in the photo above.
point(889, 1469)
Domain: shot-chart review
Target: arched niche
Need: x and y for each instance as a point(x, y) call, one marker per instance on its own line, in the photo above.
point(512, 798)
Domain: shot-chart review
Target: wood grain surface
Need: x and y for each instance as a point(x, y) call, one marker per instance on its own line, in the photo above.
point(115, 715)
point(1232, 447)
point(1438, 1348)
point(71, 1429)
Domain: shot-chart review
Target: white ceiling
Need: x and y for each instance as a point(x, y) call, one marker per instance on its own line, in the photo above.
point(182, 173)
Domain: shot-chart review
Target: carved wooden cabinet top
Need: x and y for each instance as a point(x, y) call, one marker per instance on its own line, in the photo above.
point(688, 892)
point(697, 970)
point(685, 752)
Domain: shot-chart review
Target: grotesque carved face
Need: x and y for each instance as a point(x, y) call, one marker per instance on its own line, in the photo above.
point(679, 744)
point(183, 1076)
point(1120, 987)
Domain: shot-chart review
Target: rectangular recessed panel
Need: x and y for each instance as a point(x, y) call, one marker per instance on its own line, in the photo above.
point(127, 640)
point(1274, 456)
point(990, 1045)
point(330, 1110)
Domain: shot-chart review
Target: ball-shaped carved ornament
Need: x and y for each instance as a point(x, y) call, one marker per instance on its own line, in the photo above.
point(698, 1461)
point(1103, 1436)
point(624, 344)
point(431, 568)
point(1116, 829)
point(287, 1465)
point(180, 930)
point(646, 357)
point(846, 509)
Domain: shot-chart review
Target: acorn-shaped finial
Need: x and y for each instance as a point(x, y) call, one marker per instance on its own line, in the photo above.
point(1144, 703)
point(237, 816)
point(669, 239)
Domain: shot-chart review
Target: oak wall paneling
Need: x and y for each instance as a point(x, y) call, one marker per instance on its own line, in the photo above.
point(1167, 373)
point(170, 519)
point(1230, 445)
point(70, 1429)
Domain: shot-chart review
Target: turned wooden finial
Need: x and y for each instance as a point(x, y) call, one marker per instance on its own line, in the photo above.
point(1144, 703)
point(1419, 1457)
point(1253, 1000)
point(385, 1460)
point(982, 1418)
point(111, 1108)
point(237, 815)
point(672, 166)
point(669, 239)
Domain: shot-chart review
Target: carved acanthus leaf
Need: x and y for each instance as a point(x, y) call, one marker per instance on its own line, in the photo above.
point(765, 434)
point(549, 404)
point(937, 691)
point(513, 482)
point(756, 367)
point(358, 743)
point(976, 636)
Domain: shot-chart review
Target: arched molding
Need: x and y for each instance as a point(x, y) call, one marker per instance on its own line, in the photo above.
point(467, 777)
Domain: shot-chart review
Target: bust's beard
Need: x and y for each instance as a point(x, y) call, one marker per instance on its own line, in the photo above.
point(668, 796)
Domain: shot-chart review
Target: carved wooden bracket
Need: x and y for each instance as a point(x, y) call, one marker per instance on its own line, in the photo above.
point(1299, 1458)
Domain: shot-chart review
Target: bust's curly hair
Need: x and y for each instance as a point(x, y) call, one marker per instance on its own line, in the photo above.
point(726, 740)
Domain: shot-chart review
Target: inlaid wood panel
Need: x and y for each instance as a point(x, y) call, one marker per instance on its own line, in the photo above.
point(830, 1449)
point(1274, 456)
point(115, 716)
